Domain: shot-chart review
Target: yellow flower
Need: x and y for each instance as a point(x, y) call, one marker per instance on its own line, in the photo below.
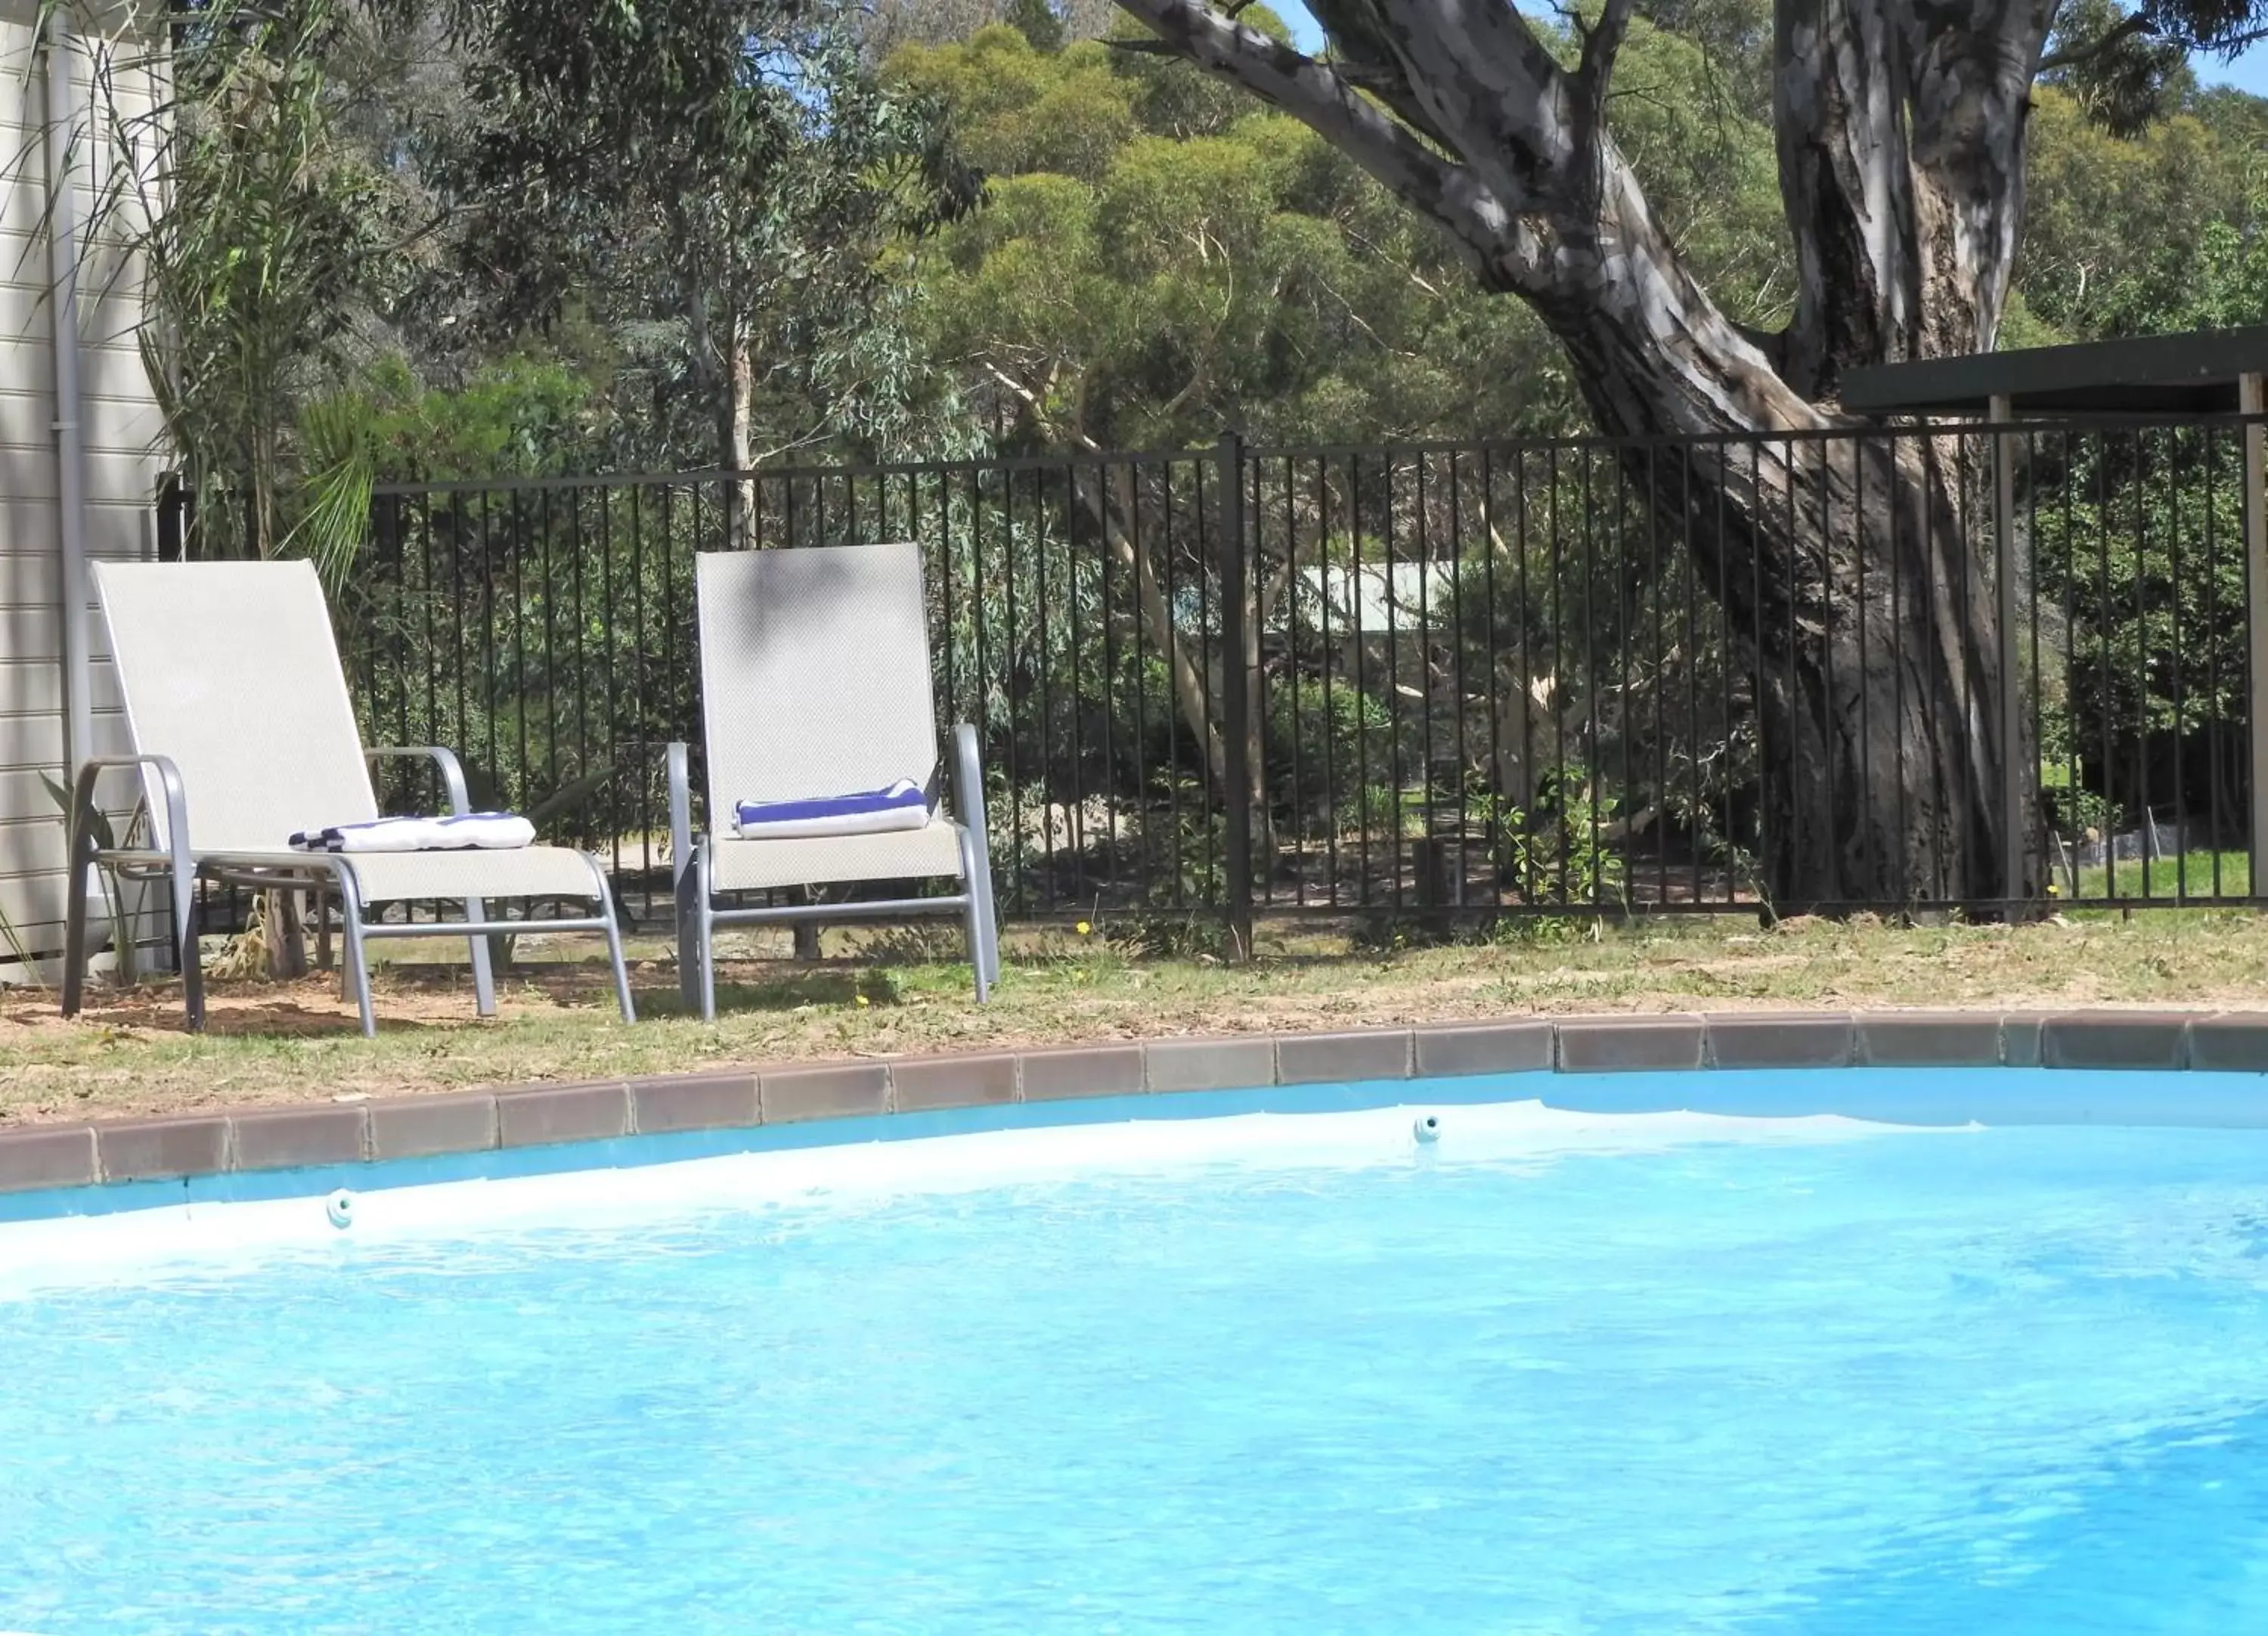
point(1084, 928)
point(863, 1000)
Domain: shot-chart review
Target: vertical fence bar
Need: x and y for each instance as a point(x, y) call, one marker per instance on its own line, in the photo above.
point(2252, 399)
point(2012, 679)
point(1235, 705)
point(173, 507)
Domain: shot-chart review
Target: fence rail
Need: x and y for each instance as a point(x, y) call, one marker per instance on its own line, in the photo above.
point(1586, 676)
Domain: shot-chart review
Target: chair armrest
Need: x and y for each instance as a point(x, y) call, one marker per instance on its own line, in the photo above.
point(681, 816)
point(453, 770)
point(968, 786)
point(169, 784)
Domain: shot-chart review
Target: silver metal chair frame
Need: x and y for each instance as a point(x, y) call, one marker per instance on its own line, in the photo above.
point(699, 912)
point(181, 865)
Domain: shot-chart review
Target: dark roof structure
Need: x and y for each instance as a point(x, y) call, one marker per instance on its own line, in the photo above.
point(2195, 373)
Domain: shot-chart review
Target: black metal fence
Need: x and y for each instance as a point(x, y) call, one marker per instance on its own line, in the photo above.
point(1580, 676)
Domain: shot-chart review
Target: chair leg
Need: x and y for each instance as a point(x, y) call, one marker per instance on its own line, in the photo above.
point(183, 880)
point(358, 953)
point(983, 930)
point(988, 927)
point(691, 952)
point(484, 971)
point(615, 953)
point(75, 921)
point(972, 916)
point(705, 940)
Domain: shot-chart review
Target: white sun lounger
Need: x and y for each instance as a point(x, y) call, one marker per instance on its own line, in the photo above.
point(243, 733)
point(814, 682)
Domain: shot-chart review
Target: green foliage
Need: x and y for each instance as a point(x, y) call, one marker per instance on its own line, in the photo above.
point(524, 414)
point(2140, 568)
point(262, 237)
point(1324, 738)
point(718, 183)
point(1156, 260)
point(2164, 229)
point(1559, 854)
point(1042, 29)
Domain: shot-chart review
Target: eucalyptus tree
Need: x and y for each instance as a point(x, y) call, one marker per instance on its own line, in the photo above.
point(1900, 144)
point(717, 181)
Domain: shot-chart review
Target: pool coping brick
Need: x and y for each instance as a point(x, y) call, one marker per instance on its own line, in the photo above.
point(49, 1157)
point(2138, 1039)
point(1343, 1058)
point(2231, 1041)
point(1062, 1072)
point(164, 1150)
point(1926, 1039)
point(1781, 1039)
point(1670, 1043)
point(1450, 1050)
point(420, 1127)
point(282, 1138)
point(1230, 1063)
point(793, 1092)
point(695, 1101)
point(921, 1084)
point(545, 1116)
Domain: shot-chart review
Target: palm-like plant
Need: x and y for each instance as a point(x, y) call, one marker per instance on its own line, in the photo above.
point(257, 237)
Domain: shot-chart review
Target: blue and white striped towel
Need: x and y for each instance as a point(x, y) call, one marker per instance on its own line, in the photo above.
point(457, 833)
point(901, 805)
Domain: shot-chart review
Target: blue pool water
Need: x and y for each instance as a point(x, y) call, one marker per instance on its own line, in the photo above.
point(2003, 1380)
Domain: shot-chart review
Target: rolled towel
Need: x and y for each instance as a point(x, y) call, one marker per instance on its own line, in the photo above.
point(460, 832)
point(901, 806)
point(488, 831)
point(381, 834)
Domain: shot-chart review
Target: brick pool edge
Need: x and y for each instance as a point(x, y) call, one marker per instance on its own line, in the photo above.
point(47, 1157)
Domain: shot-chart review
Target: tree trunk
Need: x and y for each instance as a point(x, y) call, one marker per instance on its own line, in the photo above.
point(739, 428)
point(1862, 602)
point(1867, 632)
point(1864, 612)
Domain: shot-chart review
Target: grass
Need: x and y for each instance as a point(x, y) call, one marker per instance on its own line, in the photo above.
point(295, 1041)
point(2186, 875)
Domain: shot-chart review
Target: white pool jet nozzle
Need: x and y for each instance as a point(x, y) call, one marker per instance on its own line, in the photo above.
point(340, 1207)
point(1427, 1130)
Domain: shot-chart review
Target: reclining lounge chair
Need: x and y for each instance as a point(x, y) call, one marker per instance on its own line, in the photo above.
point(243, 734)
point(816, 683)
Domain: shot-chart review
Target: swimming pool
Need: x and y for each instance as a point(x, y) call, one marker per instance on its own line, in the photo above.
point(1572, 1370)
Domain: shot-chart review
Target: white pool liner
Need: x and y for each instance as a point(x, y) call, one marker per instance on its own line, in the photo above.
point(215, 1238)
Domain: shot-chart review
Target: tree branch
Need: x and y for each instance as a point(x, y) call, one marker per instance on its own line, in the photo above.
point(2127, 28)
point(1483, 223)
point(1602, 44)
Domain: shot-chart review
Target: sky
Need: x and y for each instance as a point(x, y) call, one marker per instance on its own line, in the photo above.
point(2248, 72)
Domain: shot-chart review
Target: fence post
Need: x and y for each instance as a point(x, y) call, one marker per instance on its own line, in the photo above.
point(2012, 676)
point(172, 504)
point(2252, 399)
point(1236, 724)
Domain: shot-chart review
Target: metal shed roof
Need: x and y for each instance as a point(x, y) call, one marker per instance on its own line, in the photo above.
point(2194, 374)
